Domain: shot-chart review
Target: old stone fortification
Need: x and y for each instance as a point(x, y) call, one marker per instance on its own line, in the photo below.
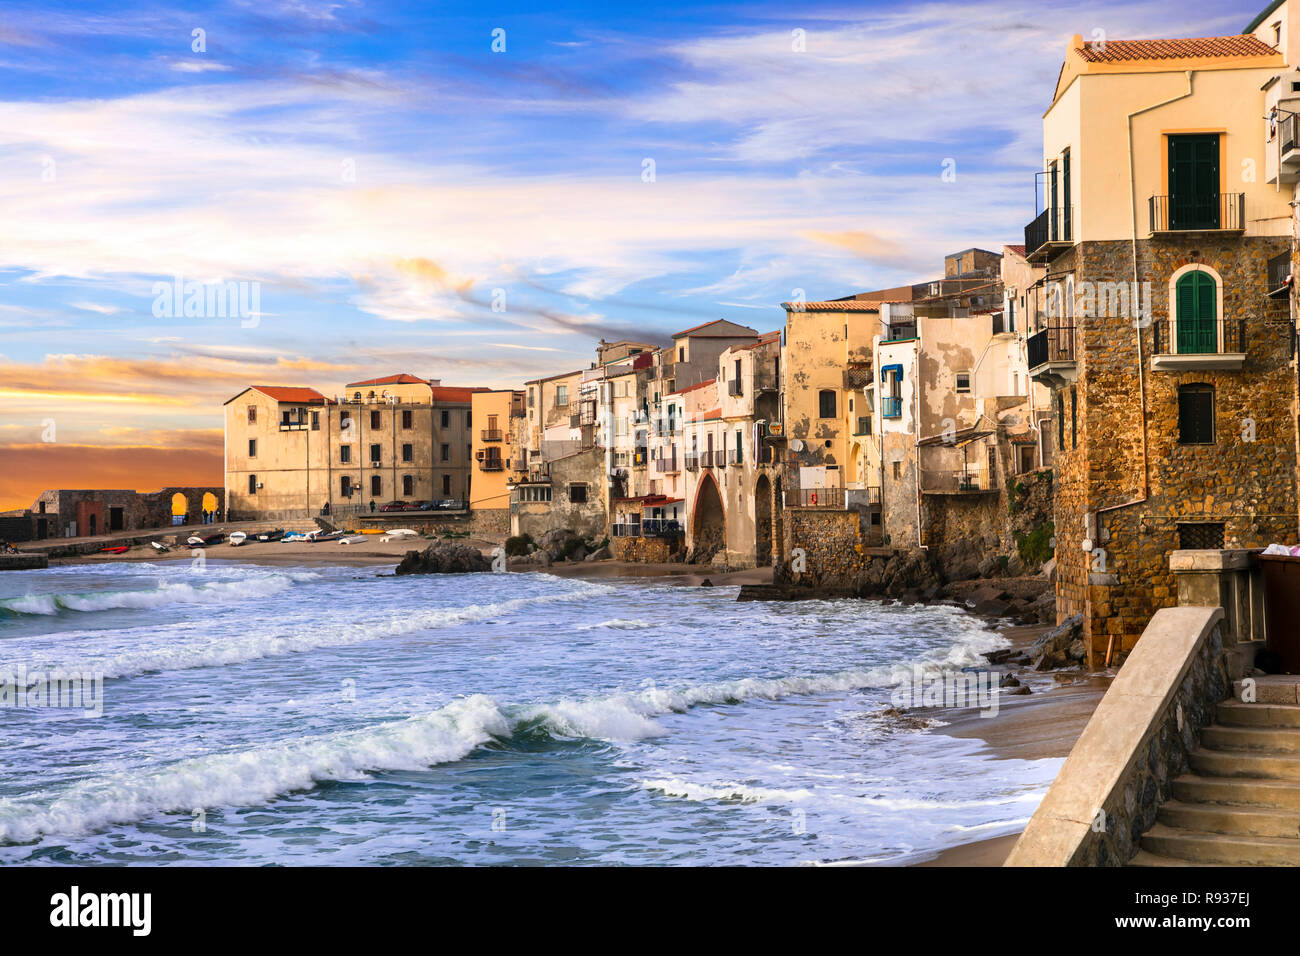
point(1244, 481)
point(1120, 770)
point(832, 542)
point(645, 550)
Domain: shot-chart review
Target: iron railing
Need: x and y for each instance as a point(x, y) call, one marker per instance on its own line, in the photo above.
point(734, 387)
point(1214, 337)
point(491, 434)
point(1052, 344)
point(1053, 224)
point(815, 498)
point(1198, 212)
point(692, 462)
point(891, 407)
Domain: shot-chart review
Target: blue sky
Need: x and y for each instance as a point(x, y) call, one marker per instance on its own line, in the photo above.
point(382, 175)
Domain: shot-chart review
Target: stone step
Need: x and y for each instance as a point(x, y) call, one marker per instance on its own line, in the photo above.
point(1220, 848)
point(1284, 689)
point(1234, 713)
point(1270, 740)
point(1238, 791)
point(1146, 858)
point(1236, 763)
point(1242, 821)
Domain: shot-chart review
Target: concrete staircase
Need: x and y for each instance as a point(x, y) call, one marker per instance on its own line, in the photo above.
point(1239, 803)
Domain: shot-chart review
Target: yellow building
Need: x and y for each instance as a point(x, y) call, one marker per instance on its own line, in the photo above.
point(497, 457)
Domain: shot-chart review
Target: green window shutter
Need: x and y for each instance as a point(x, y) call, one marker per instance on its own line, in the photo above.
point(1196, 296)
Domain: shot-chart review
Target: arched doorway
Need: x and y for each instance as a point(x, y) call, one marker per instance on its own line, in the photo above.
point(209, 501)
point(180, 508)
point(855, 464)
point(709, 530)
point(763, 521)
point(93, 524)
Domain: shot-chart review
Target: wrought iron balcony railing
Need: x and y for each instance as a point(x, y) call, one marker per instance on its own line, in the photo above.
point(1198, 212)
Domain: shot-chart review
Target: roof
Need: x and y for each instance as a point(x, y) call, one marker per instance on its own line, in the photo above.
point(835, 305)
point(691, 388)
point(297, 394)
point(695, 330)
point(1116, 51)
point(452, 393)
point(552, 378)
point(401, 378)
point(767, 338)
point(1250, 27)
point(1018, 250)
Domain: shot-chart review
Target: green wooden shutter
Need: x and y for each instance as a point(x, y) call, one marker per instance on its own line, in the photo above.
point(1196, 295)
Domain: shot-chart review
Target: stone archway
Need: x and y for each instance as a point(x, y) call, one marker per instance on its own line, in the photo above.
point(709, 522)
point(763, 521)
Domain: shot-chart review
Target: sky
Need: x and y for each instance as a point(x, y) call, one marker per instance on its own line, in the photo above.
point(475, 192)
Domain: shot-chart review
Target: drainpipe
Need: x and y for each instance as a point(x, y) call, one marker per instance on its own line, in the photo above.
point(1137, 329)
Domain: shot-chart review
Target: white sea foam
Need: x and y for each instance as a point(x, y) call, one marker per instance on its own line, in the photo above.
point(734, 792)
point(255, 776)
point(618, 624)
point(166, 594)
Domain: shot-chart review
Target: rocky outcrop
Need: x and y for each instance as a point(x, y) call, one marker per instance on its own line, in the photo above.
point(1060, 647)
point(894, 576)
point(444, 557)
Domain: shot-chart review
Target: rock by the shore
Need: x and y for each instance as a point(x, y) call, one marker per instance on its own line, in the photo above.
point(1059, 646)
point(444, 557)
point(600, 554)
point(895, 576)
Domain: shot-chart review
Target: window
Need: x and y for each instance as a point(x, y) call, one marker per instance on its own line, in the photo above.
point(445, 452)
point(376, 421)
point(578, 494)
point(408, 418)
point(1198, 536)
point(681, 353)
point(561, 395)
point(1196, 415)
point(252, 484)
point(1074, 417)
point(446, 484)
point(446, 418)
point(376, 486)
point(826, 403)
point(1196, 304)
point(963, 382)
point(1060, 422)
point(408, 485)
point(375, 454)
point(469, 419)
point(898, 470)
point(345, 453)
point(252, 414)
point(408, 452)
point(345, 486)
point(252, 448)
point(315, 421)
point(530, 398)
point(345, 422)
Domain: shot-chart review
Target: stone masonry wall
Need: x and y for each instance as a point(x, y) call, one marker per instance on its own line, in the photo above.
point(833, 545)
point(645, 550)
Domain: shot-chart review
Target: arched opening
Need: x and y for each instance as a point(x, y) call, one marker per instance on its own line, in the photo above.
point(209, 501)
point(763, 521)
point(93, 524)
point(710, 525)
point(180, 508)
point(1196, 308)
point(854, 465)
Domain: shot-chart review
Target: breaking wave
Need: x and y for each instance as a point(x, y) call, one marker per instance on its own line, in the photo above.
point(166, 594)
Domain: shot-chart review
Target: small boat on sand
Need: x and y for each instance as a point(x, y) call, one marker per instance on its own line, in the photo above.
point(195, 541)
point(121, 549)
point(275, 535)
point(159, 547)
point(326, 536)
point(295, 536)
point(237, 538)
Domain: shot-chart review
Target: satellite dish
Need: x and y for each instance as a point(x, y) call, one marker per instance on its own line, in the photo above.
point(796, 444)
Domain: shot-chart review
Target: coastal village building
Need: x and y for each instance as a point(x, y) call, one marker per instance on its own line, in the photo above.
point(292, 452)
point(1169, 364)
point(497, 456)
point(71, 513)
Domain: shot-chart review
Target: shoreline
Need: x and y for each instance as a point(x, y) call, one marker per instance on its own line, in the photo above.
point(1042, 724)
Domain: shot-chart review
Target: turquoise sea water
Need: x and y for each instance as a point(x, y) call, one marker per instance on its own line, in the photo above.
point(259, 715)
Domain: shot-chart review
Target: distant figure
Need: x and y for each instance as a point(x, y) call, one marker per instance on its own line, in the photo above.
point(372, 505)
point(326, 509)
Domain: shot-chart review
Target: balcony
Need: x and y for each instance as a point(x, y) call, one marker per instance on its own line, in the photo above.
point(491, 434)
point(1204, 212)
point(863, 427)
point(1183, 346)
point(765, 454)
point(692, 462)
point(815, 498)
point(1050, 232)
point(734, 388)
point(666, 466)
point(720, 458)
point(891, 406)
point(970, 480)
point(1052, 359)
point(491, 464)
point(859, 376)
point(647, 528)
point(737, 456)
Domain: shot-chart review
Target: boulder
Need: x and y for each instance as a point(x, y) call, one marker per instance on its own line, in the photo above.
point(992, 608)
point(600, 554)
point(1051, 649)
point(444, 557)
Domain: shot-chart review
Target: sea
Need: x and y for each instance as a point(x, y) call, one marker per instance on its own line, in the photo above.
point(255, 715)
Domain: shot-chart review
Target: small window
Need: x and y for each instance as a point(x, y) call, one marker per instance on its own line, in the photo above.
point(446, 484)
point(446, 418)
point(345, 453)
point(445, 452)
point(345, 486)
point(252, 414)
point(681, 353)
point(345, 422)
point(375, 453)
point(963, 382)
point(1074, 417)
point(1060, 422)
point(898, 470)
point(252, 484)
point(408, 452)
point(315, 421)
point(561, 395)
point(1196, 415)
point(826, 403)
point(578, 494)
point(408, 418)
point(376, 486)
point(408, 485)
point(1199, 536)
point(252, 448)
point(469, 419)
point(376, 421)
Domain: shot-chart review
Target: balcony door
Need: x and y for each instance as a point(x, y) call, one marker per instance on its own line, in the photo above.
point(1196, 307)
point(1194, 181)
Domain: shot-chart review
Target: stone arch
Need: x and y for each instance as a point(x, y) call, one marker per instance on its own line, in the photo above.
point(209, 501)
point(763, 521)
point(180, 505)
point(709, 521)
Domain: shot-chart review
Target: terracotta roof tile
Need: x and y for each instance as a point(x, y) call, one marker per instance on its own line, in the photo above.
point(1117, 51)
point(401, 378)
point(452, 393)
point(691, 388)
point(835, 305)
point(291, 393)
